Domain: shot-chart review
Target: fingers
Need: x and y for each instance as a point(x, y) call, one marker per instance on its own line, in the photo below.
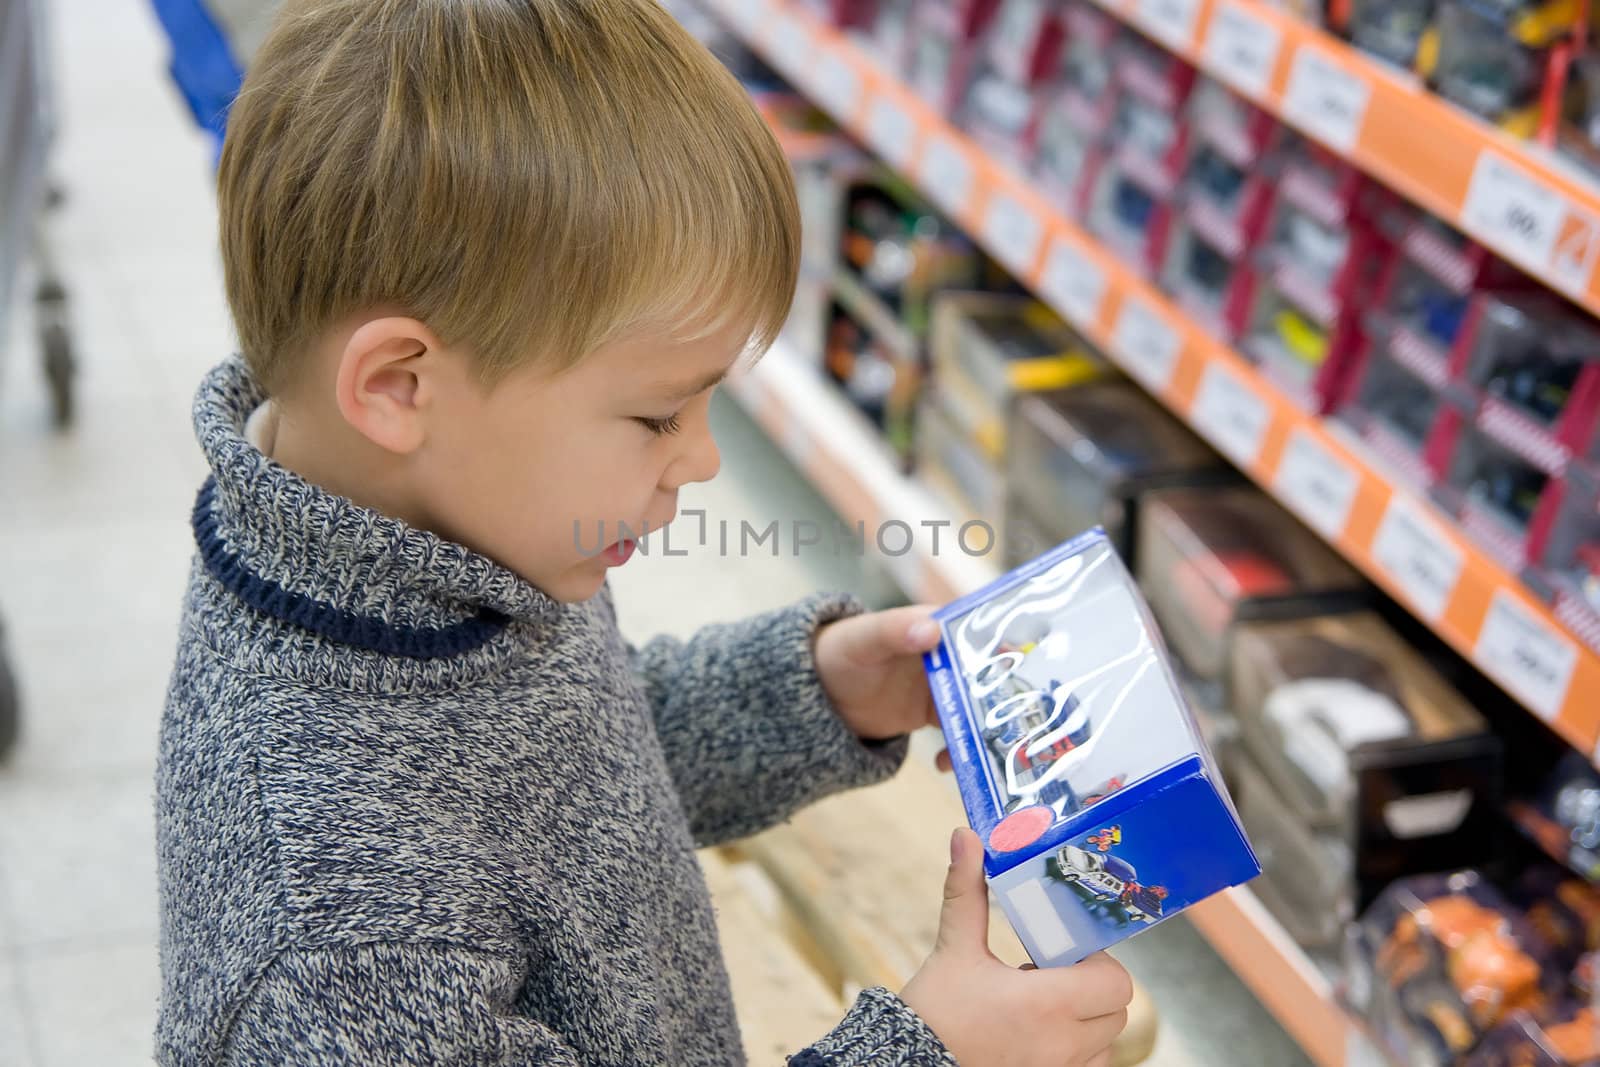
point(942, 760)
point(1100, 1059)
point(964, 918)
point(1097, 986)
point(1098, 1033)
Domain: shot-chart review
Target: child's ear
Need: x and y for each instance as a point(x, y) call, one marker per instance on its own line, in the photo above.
point(385, 381)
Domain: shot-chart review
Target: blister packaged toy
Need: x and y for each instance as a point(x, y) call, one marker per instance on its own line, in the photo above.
point(946, 37)
point(1082, 458)
point(1074, 109)
point(1391, 29)
point(1564, 908)
point(1567, 1035)
point(1131, 216)
point(1439, 961)
point(1395, 409)
point(1021, 50)
point(1579, 133)
point(1564, 819)
point(1100, 809)
point(1569, 570)
point(1211, 558)
point(1507, 503)
point(1501, 59)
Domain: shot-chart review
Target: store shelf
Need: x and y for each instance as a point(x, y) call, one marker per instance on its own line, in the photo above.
point(1393, 533)
point(840, 453)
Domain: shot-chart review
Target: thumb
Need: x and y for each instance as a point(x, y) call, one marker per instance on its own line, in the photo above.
point(964, 919)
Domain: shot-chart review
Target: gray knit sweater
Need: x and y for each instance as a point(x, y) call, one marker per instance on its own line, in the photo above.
point(412, 811)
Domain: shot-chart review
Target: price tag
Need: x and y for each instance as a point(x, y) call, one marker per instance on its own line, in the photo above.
point(1528, 222)
point(891, 132)
point(1521, 652)
point(1148, 344)
point(838, 87)
point(1231, 414)
point(1414, 551)
point(1012, 232)
point(791, 47)
point(1242, 49)
point(1325, 100)
point(1074, 285)
point(1320, 487)
point(947, 173)
point(1169, 21)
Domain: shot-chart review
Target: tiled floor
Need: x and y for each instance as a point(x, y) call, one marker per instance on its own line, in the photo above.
point(94, 544)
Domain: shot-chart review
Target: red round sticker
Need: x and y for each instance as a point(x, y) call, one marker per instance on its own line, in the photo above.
point(1021, 828)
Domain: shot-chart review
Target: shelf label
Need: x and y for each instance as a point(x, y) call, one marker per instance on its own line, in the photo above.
point(791, 47)
point(1168, 21)
point(1416, 553)
point(1242, 49)
point(947, 173)
point(1325, 100)
point(1230, 413)
point(1074, 285)
point(891, 132)
point(1012, 232)
point(1316, 484)
point(1148, 344)
point(838, 86)
point(1529, 222)
point(1521, 652)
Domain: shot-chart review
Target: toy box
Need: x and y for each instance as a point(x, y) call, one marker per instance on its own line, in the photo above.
point(1503, 60)
point(1083, 457)
point(1074, 109)
point(1360, 737)
point(1569, 570)
point(1021, 50)
point(1505, 502)
point(1438, 961)
point(945, 43)
point(1565, 1036)
point(952, 463)
point(1564, 819)
point(1395, 408)
point(988, 348)
point(1391, 29)
point(1099, 806)
point(1211, 557)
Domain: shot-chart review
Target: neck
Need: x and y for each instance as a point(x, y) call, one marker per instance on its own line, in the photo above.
point(326, 452)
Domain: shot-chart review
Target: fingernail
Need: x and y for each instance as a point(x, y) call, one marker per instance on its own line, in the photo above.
point(958, 845)
point(923, 632)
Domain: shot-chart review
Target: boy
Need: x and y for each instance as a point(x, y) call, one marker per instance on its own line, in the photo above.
point(417, 801)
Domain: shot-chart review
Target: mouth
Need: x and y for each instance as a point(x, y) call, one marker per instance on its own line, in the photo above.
point(617, 553)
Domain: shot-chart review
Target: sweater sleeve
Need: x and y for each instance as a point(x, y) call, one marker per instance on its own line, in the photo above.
point(388, 1004)
point(749, 735)
point(879, 1031)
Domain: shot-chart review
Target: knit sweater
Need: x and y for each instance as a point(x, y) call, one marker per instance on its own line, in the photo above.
point(410, 810)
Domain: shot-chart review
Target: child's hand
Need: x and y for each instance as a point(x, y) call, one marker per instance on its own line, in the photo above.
point(989, 1015)
point(871, 669)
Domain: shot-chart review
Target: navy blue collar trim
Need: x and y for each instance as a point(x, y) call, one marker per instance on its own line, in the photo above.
point(346, 627)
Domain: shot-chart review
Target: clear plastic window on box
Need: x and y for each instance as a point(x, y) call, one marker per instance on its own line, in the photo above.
point(1209, 558)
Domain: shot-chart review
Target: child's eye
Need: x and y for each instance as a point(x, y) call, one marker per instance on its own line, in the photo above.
point(659, 427)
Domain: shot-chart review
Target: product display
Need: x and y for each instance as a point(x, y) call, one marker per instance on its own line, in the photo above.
point(952, 462)
point(1439, 961)
point(882, 384)
point(1082, 458)
point(1358, 737)
point(1081, 769)
point(1565, 1036)
point(1021, 50)
point(1210, 558)
point(1074, 110)
point(1565, 818)
point(1502, 60)
point(1391, 29)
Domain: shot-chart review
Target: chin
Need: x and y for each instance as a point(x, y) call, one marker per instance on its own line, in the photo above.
point(575, 586)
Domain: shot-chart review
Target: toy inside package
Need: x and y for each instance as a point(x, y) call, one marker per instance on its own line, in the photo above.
point(1565, 1036)
point(1564, 819)
point(1439, 961)
point(1100, 808)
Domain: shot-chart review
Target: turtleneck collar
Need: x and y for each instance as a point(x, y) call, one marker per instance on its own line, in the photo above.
point(323, 564)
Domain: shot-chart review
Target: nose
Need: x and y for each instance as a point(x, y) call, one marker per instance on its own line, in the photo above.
point(700, 462)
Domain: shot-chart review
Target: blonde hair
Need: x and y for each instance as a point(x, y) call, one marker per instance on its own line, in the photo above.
point(529, 178)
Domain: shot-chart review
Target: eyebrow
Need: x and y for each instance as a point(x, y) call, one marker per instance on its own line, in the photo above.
point(685, 390)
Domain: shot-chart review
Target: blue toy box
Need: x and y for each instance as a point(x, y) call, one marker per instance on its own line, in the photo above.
point(1081, 768)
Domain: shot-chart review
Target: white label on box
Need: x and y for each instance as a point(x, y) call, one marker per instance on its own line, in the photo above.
point(1147, 343)
point(1012, 232)
point(891, 132)
point(838, 86)
point(1074, 285)
point(1520, 651)
point(1037, 915)
point(1414, 551)
point(1325, 100)
point(792, 48)
point(947, 173)
point(1230, 413)
point(1169, 21)
point(1528, 221)
point(1318, 486)
point(1242, 49)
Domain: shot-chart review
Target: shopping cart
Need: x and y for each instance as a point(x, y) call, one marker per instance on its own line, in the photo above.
point(26, 125)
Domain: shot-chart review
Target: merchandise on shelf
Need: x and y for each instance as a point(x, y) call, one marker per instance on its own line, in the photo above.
point(1210, 558)
point(1073, 110)
point(1565, 818)
point(1391, 29)
point(1082, 458)
point(987, 348)
point(1569, 572)
point(881, 383)
point(1021, 51)
point(1578, 136)
point(1318, 268)
point(1098, 805)
point(887, 32)
point(1395, 410)
point(1564, 909)
point(1567, 1035)
point(1131, 217)
point(1357, 736)
point(945, 42)
point(1439, 961)
point(1148, 131)
point(952, 463)
point(1505, 502)
point(1503, 59)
